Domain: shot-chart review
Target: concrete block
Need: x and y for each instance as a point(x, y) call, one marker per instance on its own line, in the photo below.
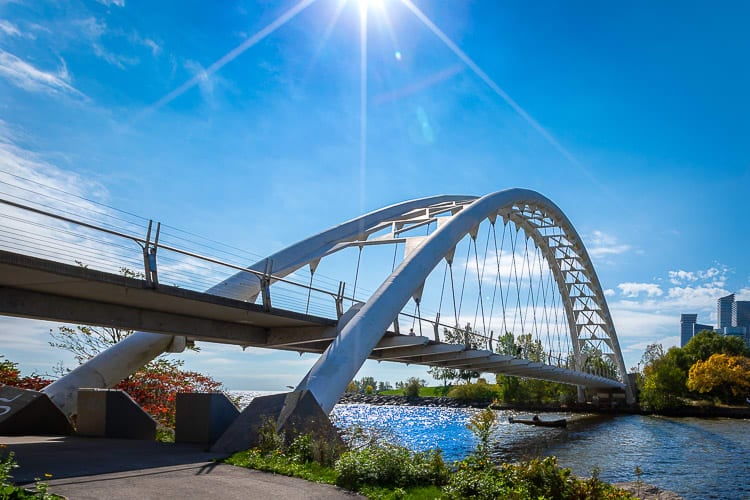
point(294, 413)
point(27, 412)
point(113, 414)
point(203, 417)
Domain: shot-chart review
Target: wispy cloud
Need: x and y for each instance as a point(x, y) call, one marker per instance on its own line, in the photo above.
point(97, 33)
point(8, 28)
point(601, 244)
point(112, 3)
point(30, 78)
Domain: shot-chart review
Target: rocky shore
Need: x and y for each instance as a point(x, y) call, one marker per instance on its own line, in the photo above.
point(648, 491)
point(381, 399)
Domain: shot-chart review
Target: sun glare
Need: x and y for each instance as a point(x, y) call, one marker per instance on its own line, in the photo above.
point(369, 4)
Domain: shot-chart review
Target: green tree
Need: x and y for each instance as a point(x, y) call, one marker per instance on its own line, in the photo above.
point(466, 336)
point(412, 386)
point(482, 424)
point(446, 375)
point(506, 344)
point(707, 343)
point(664, 380)
point(11, 375)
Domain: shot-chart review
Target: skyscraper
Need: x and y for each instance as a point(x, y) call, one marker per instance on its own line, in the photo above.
point(741, 313)
point(724, 311)
point(689, 327)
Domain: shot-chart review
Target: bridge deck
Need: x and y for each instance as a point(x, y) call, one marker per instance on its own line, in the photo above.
point(48, 290)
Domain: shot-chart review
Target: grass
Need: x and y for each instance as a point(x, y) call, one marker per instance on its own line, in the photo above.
point(423, 392)
point(312, 471)
point(281, 464)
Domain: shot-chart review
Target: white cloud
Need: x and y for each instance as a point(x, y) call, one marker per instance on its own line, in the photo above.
point(32, 79)
point(601, 245)
point(635, 289)
point(679, 277)
point(609, 292)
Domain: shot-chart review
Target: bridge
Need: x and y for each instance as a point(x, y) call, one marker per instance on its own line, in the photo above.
point(495, 284)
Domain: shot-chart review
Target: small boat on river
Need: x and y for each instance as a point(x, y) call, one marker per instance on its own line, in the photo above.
point(558, 422)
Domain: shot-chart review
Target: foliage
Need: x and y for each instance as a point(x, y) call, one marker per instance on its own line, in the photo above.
point(598, 362)
point(156, 385)
point(525, 390)
point(269, 438)
point(726, 377)
point(466, 336)
point(528, 348)
point(279, 463)
point(480, 391)
point(530, 480)
point(11, 375)
point(666, 377)
point(378, 469)
point(85, 342)
point(390, 466)
point(446, 375)
point(8, 491)
point(412, 387)
point(482, 424)
point(664, 381)
point(707, 343)
point(362, 385)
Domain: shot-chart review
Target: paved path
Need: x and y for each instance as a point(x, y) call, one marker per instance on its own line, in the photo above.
point(93, 468)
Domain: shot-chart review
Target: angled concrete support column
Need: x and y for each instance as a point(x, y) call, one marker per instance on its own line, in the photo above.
point(108, 368)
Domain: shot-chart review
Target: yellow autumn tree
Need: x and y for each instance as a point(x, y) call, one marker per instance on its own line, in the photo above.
point(727, 377)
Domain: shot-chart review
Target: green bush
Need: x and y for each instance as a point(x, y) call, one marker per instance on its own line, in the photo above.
point(308, 448)
point(390, 466)
point(530, 480)
point(412, 387)
point(474, 392)
point(269, 438)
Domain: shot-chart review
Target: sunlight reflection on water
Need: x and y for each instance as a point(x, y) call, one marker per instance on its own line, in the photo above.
point(696, 458)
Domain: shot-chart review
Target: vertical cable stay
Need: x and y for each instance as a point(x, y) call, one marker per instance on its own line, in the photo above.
point(442, 289)
point(356, 275)
point(481, 301)
point(497, 276)
point(515, 274)
point(453, 292)
point(503, 301)
point(463, 282)
point(530, 302)
point(309, 290)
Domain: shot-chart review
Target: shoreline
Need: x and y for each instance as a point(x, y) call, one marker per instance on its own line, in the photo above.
point(446, 402)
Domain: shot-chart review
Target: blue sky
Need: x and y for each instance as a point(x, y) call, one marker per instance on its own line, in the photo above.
point(646, 103)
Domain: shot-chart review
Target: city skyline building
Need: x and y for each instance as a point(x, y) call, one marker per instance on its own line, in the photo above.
point(732, 317)
point(689, 327)
point(724, 306)
point(741, 313)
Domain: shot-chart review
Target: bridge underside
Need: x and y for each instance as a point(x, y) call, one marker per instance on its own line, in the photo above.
point(41, 289)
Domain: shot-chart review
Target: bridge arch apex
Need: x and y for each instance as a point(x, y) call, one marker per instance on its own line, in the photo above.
point(330, 375)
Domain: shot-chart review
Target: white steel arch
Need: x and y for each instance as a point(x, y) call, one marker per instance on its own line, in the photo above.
point(585, 305)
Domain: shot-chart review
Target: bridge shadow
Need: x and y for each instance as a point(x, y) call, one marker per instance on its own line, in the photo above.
point(73, 456)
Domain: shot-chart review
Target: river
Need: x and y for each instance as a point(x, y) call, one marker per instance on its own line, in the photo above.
point(696, 458)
